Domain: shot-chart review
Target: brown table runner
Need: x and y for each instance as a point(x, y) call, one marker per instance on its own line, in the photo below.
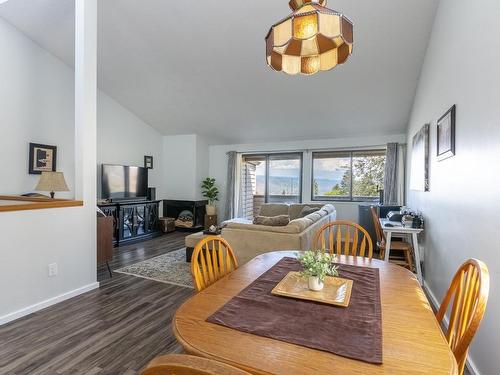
point(354, 331)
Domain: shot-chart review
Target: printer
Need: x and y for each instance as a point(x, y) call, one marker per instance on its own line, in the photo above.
point(395, 216)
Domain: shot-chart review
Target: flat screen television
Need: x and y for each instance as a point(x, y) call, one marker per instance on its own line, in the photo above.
point(122, 182)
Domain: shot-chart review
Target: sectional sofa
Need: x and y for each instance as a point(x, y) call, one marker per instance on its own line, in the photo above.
point(249, 240)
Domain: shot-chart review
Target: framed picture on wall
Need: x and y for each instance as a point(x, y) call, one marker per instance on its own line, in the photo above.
point(419, 176)
point(446, 135)
point(148, 162)
point(42, 158)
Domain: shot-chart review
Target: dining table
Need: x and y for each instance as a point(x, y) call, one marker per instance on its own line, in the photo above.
point(412, 341)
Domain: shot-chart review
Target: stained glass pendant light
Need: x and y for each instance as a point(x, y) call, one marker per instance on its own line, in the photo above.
point(311, 39)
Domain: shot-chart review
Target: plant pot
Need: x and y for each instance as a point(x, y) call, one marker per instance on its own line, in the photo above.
point(211, 209)
point(315, 284)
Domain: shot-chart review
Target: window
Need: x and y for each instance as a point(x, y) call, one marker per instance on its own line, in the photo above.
point(269, 178)
point(348, 175)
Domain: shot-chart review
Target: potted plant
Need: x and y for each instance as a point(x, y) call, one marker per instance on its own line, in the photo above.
point(210, 191)
point(317, 265)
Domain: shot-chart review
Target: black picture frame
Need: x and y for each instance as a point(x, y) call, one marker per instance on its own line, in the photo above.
point(148, 162)
point(42, 158)
point(445, 132)
point(419, 172)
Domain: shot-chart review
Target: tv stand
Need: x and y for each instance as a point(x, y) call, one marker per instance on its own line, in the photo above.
point(127, 200)
point(133, 220)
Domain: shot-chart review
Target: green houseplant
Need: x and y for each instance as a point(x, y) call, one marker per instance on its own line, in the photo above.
point(317, 265)
point(211, 193)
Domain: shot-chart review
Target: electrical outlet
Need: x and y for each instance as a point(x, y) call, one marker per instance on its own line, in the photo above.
point(52, 269)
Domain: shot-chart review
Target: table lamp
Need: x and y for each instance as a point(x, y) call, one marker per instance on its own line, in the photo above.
point(52, 181)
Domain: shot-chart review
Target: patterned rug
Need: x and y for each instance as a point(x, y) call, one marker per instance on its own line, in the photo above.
point(170, 268)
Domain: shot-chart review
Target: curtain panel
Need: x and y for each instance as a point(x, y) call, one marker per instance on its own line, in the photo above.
point(231, 205)
point(394, 177)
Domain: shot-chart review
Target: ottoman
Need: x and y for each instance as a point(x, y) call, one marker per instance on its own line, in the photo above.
point(192, 240)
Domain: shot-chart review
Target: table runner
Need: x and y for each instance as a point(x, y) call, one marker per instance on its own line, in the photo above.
point(353, 332)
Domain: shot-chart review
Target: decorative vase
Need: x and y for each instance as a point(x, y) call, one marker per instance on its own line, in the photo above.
point(315, 284)
point(211, 209)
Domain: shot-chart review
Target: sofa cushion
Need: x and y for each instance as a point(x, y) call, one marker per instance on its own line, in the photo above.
point(239, 220)
point(314, 217)
point(301, 224)
point(296, 208)
point(329, 208)
point(273, 209)
point(306, 210)
point(273, 221)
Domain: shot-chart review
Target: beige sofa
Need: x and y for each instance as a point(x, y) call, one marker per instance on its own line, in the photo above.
point(249, 240)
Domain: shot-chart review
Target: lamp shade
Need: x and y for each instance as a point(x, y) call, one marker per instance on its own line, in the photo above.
point(311, 39)
point(52, 181)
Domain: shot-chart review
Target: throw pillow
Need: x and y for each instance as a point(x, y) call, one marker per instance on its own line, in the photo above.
point(307, 210)
point(272, 221)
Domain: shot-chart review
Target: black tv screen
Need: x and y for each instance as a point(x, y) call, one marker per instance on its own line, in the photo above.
point(120, 181)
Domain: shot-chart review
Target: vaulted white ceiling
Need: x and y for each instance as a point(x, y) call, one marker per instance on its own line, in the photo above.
point(199, 66)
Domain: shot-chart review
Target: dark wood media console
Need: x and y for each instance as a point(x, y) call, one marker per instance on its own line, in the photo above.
point(133, 220)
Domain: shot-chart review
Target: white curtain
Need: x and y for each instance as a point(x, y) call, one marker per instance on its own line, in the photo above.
point(394, 178)
point(233, 182)
point(401, 181)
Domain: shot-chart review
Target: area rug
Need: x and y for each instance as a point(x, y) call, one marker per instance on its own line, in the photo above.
point(170, 268)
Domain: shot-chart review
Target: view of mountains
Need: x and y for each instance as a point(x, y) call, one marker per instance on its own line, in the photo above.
point(291, 185)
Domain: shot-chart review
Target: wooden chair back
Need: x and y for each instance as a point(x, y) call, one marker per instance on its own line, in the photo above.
point(378, 227)
point(180, 364)
point(344, 238)
point(469, 292)
point(212, 259)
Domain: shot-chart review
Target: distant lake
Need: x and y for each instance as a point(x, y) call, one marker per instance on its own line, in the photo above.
point(291, 185)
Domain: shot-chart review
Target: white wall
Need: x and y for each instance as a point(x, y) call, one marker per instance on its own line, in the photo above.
point(124, 139)
point(37, 96)
point(461, 209)
point(30, 240)
point(36, 105)
point(345, 210)
point(185, 163)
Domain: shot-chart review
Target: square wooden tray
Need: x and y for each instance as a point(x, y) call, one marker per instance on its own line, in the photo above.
point(337, 291)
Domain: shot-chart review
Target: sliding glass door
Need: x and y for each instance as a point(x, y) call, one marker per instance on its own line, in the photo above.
point(284, 182)
point(269, 178)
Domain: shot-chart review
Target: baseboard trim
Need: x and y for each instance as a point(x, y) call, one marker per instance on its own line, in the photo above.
point(435, 304)
point(47, 303)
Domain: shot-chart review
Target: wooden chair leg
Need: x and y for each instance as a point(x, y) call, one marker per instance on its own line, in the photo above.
point(409, 260)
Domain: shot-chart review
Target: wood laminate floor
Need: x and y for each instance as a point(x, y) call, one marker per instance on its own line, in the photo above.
point(116, 329)
point(137, 252)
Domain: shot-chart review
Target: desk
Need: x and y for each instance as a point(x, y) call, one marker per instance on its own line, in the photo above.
point(400, 229)
point(412, 339)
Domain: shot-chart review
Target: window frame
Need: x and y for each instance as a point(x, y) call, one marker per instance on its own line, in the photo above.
point(267, 156)
point(351, 156)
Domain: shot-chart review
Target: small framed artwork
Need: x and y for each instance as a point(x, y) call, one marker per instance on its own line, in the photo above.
point(419, 173)
point(446, 135)
point(42, 158)
point(148, 162)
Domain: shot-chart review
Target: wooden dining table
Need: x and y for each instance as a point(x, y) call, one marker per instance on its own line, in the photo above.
point(412, 339)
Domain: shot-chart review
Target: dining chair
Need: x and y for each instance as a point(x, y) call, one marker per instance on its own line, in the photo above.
point(212, 259)
point(401, 246)
point(343, 237)
point(469, 291)
point(182, 364)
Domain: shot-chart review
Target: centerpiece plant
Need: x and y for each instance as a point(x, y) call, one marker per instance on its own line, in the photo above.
point(317, 266)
